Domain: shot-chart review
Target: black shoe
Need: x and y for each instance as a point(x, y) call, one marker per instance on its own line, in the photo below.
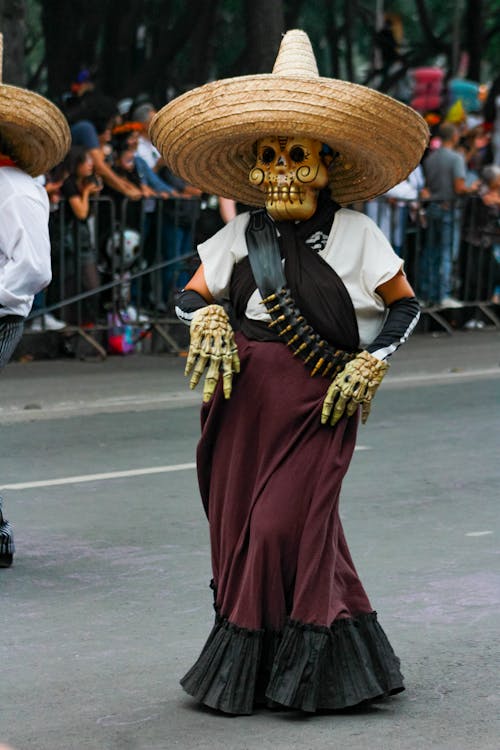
point(6, 541)
point(6, 559)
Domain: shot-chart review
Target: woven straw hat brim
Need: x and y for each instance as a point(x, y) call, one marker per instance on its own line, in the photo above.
point(207, 135)
point(35, 129)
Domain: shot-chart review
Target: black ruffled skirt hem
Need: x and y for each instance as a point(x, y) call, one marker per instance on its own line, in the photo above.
point(306, 667)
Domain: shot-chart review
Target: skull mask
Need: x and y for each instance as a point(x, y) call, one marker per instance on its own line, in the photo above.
point(291, 171)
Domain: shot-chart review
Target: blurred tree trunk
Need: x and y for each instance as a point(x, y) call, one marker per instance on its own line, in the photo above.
point(264, 25)
point(12, 25)
point(348, 34)
point(171, 34)
point(203, 44)
point(291, 11)
point(117, 58)
point(474, 42)
point(69, 44)
point(332, 36)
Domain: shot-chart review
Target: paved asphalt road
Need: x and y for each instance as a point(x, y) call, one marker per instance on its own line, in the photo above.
point(107, 603)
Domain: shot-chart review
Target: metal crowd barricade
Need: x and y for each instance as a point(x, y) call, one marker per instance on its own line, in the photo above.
point(142, 277)
point(125, 249)
point(475, 269)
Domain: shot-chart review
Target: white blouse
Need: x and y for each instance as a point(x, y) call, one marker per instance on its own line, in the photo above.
point(24, 241)
point(356, 249)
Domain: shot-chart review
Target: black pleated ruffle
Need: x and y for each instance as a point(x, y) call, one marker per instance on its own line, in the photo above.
point(306, 667)
point(225, 674)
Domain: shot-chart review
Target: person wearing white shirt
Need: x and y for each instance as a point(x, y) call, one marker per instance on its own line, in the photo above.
point(34, 137)
point(390, 211)
point(24, 252)
point(143, 114)
point(24, 270)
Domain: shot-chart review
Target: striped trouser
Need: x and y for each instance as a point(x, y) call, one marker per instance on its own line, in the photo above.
point(11, 330)
point(6, 535)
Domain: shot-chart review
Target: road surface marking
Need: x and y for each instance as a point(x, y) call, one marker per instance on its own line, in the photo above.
point(99, 477)
point(112, 475)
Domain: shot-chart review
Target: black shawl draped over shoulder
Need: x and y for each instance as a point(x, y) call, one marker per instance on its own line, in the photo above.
point(317, 289)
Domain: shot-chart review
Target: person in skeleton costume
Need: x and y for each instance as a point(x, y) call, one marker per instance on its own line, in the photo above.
point(318, 300)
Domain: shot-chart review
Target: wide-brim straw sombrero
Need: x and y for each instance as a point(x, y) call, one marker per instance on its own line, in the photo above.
point(207, 135)
point(34, 129)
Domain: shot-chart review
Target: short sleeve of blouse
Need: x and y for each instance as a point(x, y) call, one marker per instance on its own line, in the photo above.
point(380, 263)
point(459, 172)
point(361, 254)
point(220, 253)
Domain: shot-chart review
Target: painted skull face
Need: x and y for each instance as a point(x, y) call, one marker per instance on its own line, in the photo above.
point(291, 172)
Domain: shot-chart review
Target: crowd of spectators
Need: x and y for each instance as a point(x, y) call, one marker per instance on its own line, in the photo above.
point(444, 219)
point(114, 207)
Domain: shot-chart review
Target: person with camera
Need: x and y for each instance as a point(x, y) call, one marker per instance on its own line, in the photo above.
point(82, 274)
point(92, 120)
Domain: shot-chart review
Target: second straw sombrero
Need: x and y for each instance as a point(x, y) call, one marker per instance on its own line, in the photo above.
point(35, 130)
point(207, 135)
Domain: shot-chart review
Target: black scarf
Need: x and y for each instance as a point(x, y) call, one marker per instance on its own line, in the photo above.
point(317, 289)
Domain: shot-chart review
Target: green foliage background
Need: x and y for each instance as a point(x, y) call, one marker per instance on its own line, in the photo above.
point(195, 41)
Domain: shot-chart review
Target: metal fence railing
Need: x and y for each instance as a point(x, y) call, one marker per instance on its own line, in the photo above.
point(451, 252)
point(119, 268)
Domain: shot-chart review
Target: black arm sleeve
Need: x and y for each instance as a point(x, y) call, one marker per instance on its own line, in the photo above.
point(402, 318)
point(187, 301)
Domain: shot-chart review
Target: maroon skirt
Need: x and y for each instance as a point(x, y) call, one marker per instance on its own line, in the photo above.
point(294, 625)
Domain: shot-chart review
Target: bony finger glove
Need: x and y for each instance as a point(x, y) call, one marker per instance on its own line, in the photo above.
point(355, 385)
point(212, 345)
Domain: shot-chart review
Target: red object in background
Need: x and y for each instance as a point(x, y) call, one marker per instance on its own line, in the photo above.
point(426, 103)
point(120, 334)
point(427, 89)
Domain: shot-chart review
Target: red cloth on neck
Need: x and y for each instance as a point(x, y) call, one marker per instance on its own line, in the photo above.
point(6, 161)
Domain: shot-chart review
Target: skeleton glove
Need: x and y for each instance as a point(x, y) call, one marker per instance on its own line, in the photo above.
point(355, 385)
point(212, 345)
